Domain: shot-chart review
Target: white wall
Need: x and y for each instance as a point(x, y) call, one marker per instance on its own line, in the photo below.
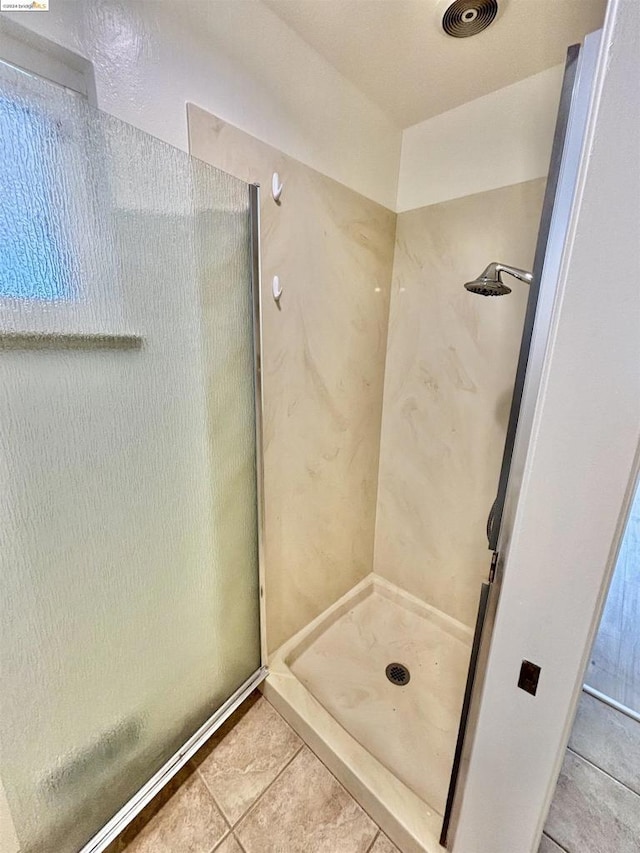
point(242, 63)
point(500, 139)
point(237, 60)
point(580, 471)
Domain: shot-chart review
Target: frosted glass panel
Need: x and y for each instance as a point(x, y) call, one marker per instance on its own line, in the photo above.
point(129, 582)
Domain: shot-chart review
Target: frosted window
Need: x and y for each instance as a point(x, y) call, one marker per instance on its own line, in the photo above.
point(34, 260)
point(128, 541)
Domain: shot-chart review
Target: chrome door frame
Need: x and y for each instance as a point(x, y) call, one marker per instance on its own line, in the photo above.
point(256, 293)
point(119, 822)
point(111, 830)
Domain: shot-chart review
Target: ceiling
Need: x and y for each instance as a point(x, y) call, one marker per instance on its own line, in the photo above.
point(397, 54)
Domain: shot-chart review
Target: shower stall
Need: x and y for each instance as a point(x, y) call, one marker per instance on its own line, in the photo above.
point(384, 684)
point(130, 536)
point(153, 573)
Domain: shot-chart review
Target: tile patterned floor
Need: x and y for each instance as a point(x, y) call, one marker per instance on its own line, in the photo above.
point(596, 806)
point(254, 788)
point(614, 667)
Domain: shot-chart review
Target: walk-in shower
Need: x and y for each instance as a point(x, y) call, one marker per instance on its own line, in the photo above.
point(489, 282)
point(403, 750)
point(135, 607)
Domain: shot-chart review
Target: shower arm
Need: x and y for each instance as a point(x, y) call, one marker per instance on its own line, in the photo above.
point(523, 275)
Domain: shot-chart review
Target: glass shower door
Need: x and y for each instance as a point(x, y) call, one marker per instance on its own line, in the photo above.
point(129, 593)
point(561, 181)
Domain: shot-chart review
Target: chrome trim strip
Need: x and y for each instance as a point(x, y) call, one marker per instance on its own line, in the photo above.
point(111, 830)
point(256, 279)
point(535, 305)
point(466, 705)
point(612, 703)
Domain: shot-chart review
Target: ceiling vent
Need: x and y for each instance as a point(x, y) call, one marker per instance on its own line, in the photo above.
point(465, 18)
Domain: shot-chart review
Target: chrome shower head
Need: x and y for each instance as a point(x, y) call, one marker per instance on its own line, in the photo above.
point(489, 282)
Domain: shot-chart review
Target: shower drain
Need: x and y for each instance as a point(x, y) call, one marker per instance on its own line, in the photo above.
point(397, 673)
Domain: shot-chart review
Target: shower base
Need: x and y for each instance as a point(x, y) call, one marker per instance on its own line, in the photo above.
point(390, 745)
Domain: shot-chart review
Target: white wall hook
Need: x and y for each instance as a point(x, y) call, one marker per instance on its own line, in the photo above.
point(276, 187)
point(276, 289)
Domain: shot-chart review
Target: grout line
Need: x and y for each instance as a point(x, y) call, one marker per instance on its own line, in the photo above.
point(604, 772)
point(216, 803)
point(272, 782)
point(564, 849)
point(196, 767)
point(373, 841)
point(344, 788)
point(218, 843)
point(286, 722)
point(224, 838)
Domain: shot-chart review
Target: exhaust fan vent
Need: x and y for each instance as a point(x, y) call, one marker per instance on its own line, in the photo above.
point(466, 18)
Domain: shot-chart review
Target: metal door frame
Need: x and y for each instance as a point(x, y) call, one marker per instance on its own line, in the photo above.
point(112, 829)
point(561, 183)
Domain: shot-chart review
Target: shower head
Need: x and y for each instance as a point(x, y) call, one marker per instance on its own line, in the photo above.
point(489, 282)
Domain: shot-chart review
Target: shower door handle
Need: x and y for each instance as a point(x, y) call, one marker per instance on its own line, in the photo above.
point(490, 521)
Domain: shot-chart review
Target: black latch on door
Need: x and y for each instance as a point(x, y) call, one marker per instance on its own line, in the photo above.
point(529, 675)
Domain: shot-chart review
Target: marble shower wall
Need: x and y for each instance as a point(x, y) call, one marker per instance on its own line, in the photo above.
point(449, 376)
point(324, 356)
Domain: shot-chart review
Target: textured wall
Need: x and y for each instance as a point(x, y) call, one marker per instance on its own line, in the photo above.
point(237, 59)
point(449, 375)
point(324, 356)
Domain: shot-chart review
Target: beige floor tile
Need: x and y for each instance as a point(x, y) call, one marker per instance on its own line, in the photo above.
point(306, 810)
point(248, 758)
point(229, 845)
point(189, 822)
point(383, 845)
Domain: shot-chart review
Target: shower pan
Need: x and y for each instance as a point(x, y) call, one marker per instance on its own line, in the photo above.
point(391, 742)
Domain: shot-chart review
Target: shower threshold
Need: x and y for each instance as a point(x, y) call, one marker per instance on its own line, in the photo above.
point(390, 744)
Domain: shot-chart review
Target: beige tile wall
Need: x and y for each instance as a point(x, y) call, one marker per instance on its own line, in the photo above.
point(324, 356)
point(449, 376)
